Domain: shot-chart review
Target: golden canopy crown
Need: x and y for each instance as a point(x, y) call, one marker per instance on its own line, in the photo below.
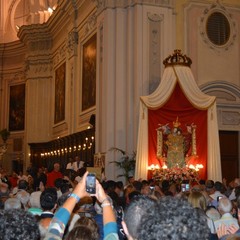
point(177, 58)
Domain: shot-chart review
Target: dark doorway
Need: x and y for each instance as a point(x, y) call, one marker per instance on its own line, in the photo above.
point(229, 154)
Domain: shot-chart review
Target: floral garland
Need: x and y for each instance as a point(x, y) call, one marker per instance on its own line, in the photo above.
point(176, 175)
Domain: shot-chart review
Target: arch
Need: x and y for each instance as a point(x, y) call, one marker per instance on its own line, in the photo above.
point(40, 8)
point(228, 104)
point(9, 24)
point(224, 88)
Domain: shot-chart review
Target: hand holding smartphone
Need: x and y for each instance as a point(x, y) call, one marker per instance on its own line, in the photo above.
point(91, 183)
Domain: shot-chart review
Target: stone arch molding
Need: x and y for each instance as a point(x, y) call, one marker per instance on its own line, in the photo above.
point(228, 104)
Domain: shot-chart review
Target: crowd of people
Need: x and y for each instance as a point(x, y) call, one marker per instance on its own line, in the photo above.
point(55, 205)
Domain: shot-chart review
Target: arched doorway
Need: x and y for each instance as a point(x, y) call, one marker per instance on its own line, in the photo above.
point(228, 111)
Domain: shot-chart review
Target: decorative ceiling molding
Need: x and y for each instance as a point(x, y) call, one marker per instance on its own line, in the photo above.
point(72, 43)
point(155, 17)
point(40, 68)
point(36, 37)
point(90, 24)
point(103, 4)
point(60, 55)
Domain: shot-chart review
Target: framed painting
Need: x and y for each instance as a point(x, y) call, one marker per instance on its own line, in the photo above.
point(89, 73)
point(60, 75)
point(17, 107)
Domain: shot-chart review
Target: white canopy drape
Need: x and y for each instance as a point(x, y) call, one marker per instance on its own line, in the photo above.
point(182, 75)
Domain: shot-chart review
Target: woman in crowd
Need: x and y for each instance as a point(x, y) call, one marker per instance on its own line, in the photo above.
point(60, 220)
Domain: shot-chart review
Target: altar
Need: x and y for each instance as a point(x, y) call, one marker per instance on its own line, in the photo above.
point(176, 102)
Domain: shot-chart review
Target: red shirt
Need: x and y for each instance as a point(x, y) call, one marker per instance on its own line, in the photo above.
point(13, 181)
point(51, 177)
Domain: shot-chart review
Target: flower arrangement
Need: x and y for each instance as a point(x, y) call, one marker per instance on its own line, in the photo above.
point(175, 174)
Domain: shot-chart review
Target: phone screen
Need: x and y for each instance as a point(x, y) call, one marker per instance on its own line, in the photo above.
point(91, 183)
point(183, 187)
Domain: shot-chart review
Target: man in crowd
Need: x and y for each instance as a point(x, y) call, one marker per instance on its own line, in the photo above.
point(18, 224)
point(53, 175)
point(70, 164)
point(48, 202)
point(225, 208)
point(137, 208)
point(78, 164)
point(173, 218)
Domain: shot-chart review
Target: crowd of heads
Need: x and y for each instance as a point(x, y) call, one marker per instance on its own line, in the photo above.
point(144, 209)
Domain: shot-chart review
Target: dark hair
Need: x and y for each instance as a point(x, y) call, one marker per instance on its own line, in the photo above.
point(135, 211)
point(58, 182)
point(110, 185)
point(81, 232)
point(115, 199)
point(22, 184)
point(165, 185)
point(145, 182)
point(64, 188)
point(48, 199)
point(18, 224)
point(209, 184)
point(90, 223)
point(132, 195)
point(173, 218)
point(137, 185)
point(202, 182)
point(119, 185)
point(219, 186)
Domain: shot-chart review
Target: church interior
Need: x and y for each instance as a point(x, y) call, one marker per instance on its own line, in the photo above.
point(74, 76)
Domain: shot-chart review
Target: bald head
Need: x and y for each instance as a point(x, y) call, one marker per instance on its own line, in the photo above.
point(56, 167)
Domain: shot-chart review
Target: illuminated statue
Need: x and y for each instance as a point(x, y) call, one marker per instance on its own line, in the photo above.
point(173, 145)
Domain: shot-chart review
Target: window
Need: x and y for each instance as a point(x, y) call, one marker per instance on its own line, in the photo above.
point(218, 28)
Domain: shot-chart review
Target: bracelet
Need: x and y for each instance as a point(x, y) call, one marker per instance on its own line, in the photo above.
point(105, 199)
point(106, 204)
point(75, 196)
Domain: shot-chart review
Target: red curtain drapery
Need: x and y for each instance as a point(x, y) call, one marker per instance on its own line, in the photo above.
point(179, 106)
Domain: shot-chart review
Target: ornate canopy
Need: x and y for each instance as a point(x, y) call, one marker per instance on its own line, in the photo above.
point(178, 73)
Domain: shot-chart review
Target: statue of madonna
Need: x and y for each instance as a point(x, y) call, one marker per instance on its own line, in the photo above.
point(175, 145)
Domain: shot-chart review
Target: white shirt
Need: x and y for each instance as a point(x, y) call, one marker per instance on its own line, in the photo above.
point(216, 194)
point(226, 219)
point(232, 195)
point(75, 165)
point(70, 166)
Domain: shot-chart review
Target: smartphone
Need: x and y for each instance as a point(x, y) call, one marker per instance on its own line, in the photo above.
point(91, 183)
point(185, 187)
